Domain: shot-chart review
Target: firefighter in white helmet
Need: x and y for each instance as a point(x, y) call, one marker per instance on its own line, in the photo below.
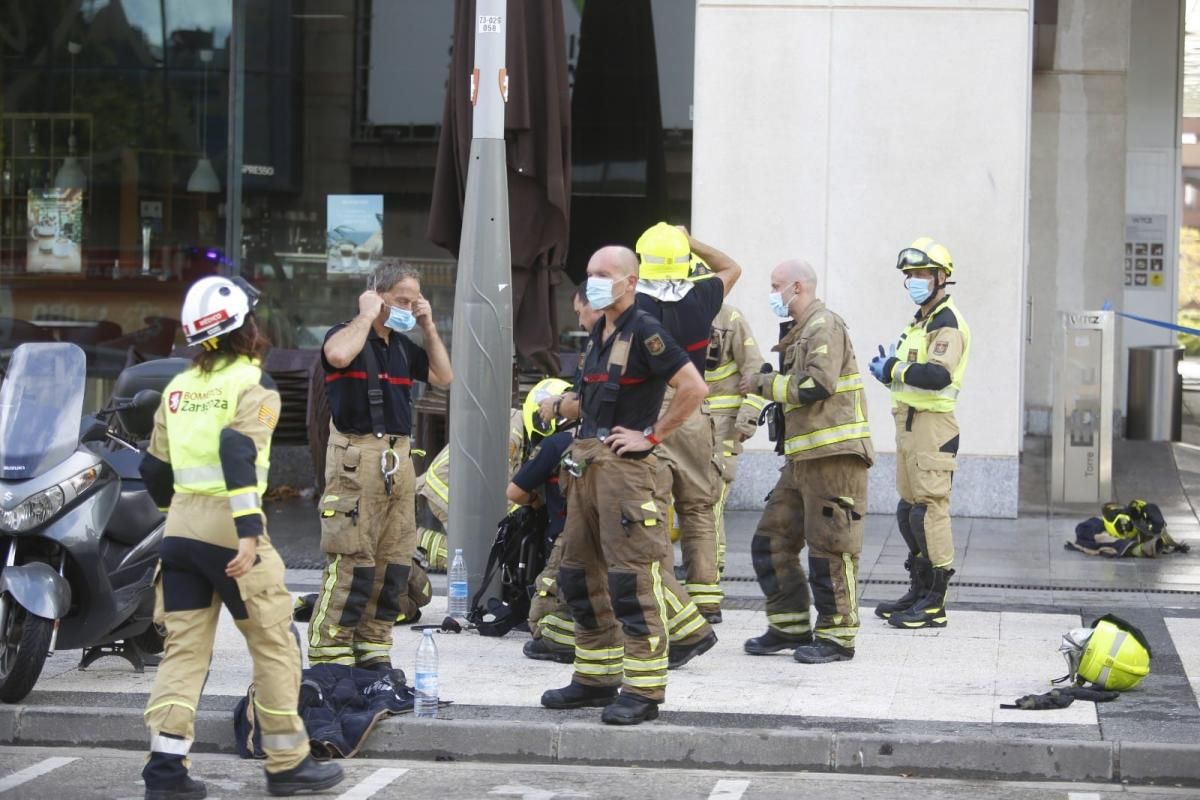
point(207, 467)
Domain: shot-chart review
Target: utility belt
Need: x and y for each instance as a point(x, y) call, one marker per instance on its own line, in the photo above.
point(392, 450)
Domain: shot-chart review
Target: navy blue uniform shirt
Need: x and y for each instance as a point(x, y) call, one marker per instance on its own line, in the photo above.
point(689, 320)
point(654, 357)
point(541, 472)
point(400, 361)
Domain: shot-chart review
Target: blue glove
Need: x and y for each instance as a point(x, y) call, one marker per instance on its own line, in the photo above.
point(881, 365)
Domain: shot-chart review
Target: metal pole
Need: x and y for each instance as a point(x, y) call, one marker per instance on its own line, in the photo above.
point(233, 150)
point(481, 396)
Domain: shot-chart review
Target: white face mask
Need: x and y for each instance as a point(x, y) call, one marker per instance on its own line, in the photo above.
point(778, 306)
point(600, 292)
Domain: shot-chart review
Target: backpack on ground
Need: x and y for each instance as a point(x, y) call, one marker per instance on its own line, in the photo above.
point(517, 557)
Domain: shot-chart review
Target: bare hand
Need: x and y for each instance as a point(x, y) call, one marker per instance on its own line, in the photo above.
point(623, 440)
point(244, 560)
point(741, 437)
point(370, 304)
point(546, 408)
point(422, 311)
point(749, 384)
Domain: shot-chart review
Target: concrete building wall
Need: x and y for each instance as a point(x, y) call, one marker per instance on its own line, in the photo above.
point(821, 133)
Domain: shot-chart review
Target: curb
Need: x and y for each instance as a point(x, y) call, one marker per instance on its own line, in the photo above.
point(589, 743)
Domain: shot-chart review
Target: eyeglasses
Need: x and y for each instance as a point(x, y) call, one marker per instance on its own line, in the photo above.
point(911, 257)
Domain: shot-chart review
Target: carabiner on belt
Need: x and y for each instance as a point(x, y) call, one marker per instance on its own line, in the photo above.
point(389, 465)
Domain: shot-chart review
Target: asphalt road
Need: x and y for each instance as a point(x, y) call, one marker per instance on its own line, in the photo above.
point(113, 774)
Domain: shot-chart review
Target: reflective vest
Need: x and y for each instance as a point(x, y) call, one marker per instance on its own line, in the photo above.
point(199, 407)
point(914, 348)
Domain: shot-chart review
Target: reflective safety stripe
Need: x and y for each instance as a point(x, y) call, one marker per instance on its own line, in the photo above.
point(314, 631)
point(284, 741)
point(791, 617)
point(190, 479)
point(372, 647)
point(166, 703)
point(851, 583)
point(275, 712)
point(755, 401)
point(437, 486)
point(170, 745)
point(827, 436)
point(1113, 652)
point(898, 385)
point(723, 402)
point(647, 682)
point(685, 623)
point(705, 593)
point(728, 369)
point(557, 635)
point(245, 503)
point(600, 655)
point(645, 664)
point(779, 388)
point(345, 661)
point(795, 624)
point(586, 668)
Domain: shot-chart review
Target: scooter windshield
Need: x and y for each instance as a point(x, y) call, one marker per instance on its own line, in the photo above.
point(41, 402)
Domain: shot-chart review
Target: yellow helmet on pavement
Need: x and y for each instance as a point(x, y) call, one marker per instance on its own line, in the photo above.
point(550, 387)
point(664, 253)
point(925, 253)
point(1112, 654)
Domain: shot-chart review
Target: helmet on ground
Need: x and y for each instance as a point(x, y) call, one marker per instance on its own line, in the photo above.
point(1117, 521)
point(925, 253)
point(550, 387)
point(664, 253)
point(216, 306)
point(1112, 654)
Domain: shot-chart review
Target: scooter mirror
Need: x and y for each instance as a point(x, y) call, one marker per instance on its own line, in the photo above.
point(146, 400)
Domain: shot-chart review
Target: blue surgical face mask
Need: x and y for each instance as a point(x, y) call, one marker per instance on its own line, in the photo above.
point(777, 305)
point(918, 289)
point(400, 320)
point(600, 292)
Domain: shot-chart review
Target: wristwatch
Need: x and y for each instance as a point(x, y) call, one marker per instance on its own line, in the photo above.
point(650, 437)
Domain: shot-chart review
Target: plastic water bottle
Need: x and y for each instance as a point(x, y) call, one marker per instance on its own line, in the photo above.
point(457, 600)
point(425, 700)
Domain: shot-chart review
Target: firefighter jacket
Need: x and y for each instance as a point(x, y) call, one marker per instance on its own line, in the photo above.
point(820, 389)
point(732, 355)
point(211, 450)
point(931, 358)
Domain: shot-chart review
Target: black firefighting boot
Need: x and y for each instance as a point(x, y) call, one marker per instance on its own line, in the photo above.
point(185, 789)
point(773, 641)
point(930, 610)
point(681, 654)
point(577, 695)
point(920, 577)
point(630, 709)
point(822, 651)
point(309, 777)
point(543, 650)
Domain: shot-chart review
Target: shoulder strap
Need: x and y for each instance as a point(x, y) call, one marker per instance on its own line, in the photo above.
point(374, 390)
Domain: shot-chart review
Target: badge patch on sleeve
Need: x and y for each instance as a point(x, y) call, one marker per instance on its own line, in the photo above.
point(939, 348)
point(656, 345)
point(268, 417)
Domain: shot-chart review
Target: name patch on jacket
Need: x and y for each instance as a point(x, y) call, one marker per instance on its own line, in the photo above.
point(197, 402)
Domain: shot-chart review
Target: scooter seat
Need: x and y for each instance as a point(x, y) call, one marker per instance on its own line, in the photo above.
point(134, 517)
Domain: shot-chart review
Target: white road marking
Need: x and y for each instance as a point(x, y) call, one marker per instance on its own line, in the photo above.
point(1083, 796)
point(36, 771)
point(729, 790)
point(378, 779)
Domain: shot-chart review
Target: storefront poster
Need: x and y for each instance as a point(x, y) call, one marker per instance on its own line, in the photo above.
point(55, 230)
point(354, 232)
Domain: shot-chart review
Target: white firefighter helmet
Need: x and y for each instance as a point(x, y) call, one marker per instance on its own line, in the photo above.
point(215, 306)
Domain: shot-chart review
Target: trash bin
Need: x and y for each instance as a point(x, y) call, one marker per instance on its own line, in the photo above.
point(1154, 405)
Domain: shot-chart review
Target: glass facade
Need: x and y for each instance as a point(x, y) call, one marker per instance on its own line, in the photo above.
point(118, 190)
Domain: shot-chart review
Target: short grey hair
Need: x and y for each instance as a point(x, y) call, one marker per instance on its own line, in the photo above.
point(390, 271)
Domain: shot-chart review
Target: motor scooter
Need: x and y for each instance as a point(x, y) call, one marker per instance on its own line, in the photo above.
point(79, 534)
